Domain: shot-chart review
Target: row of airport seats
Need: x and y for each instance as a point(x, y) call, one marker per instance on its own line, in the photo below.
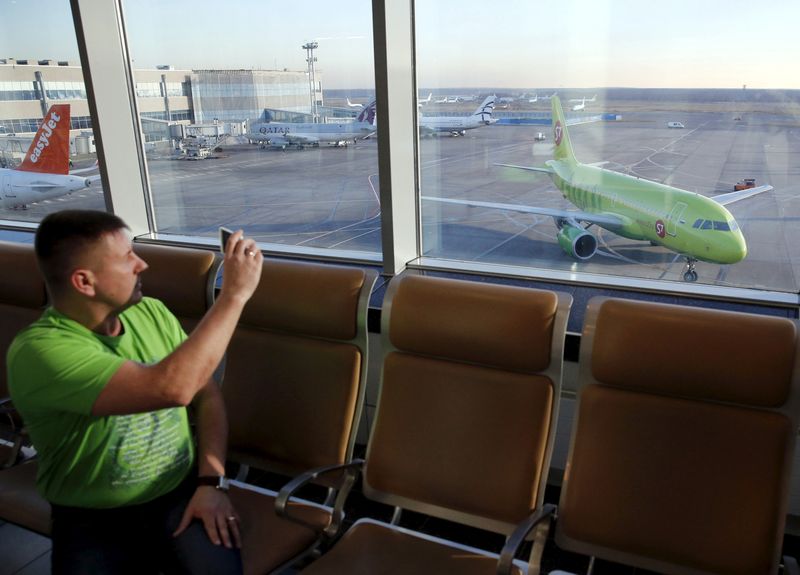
point(680, 454)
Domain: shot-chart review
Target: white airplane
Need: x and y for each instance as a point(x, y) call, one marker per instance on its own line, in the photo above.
point(44, 173)
point(579, 107)
point(352, 105)
point(422, 101)
point(300, 135)
point(458, 125)
point(584, 99)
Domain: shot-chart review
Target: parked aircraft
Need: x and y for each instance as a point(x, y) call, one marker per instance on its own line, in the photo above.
point(455, 99)
point(458, 125)
point(352, 105)
point(579, 107)
point(423, 101)
point(44, 173)
point(287, 134)
point(695, 226)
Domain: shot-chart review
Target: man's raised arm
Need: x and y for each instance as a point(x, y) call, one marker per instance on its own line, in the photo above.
point(176, 379)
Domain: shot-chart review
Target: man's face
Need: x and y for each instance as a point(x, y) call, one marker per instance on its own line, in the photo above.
point(116, 271)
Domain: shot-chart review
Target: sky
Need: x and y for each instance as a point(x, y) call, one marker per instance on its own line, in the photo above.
point(515, 44)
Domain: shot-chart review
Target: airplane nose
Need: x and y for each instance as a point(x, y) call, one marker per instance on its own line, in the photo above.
point(735, 249)
point(730, 250)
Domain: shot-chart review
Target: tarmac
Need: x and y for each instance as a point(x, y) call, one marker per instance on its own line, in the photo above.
point(329, 197)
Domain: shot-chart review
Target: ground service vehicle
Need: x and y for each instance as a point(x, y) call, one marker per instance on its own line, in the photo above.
point(745, 184)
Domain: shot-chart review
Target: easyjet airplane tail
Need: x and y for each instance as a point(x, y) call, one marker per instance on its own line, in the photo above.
point(563, 147)
point(49, 151)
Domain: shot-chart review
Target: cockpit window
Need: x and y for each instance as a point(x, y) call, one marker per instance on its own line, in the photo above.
point(702, 224)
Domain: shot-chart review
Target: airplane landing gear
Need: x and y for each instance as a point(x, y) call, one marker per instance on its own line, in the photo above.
point(690, 275)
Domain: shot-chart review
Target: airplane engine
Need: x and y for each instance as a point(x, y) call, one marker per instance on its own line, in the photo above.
point(577, 242)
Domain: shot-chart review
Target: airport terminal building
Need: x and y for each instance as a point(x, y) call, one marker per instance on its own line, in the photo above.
point(164, 96)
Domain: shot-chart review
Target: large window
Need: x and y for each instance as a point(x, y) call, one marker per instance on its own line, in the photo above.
point(655, 99)
point(243, 117)
point(276, 142)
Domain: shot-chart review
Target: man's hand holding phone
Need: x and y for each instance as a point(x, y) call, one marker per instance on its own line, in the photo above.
point(242, 268)
point(224, 234)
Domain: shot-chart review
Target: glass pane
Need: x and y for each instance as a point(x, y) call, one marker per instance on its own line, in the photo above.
point(660, 107)
point(252, 134)
point(55, 168)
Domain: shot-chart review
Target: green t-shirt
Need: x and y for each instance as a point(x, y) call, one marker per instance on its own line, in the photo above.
point(57, 368)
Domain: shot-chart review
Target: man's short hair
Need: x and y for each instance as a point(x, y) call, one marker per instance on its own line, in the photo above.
point(63, 235)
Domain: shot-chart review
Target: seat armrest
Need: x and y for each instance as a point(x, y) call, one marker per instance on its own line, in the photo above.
point(351, 472)
point(19, 439)
point(790, 566)
point(8, 411)
point(514, 540)
point(12, 431)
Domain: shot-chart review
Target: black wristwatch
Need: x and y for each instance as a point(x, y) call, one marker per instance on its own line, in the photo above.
point(216, 481)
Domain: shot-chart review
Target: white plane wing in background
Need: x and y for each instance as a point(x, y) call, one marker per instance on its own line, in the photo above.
point(730, 197)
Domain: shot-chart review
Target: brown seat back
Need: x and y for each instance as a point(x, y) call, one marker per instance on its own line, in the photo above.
point(23, 297)
point(295, 368)
point(468, 399)
point(683, 438)
point(182, 278)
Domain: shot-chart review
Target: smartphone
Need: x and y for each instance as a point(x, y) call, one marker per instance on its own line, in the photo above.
point(224, 234)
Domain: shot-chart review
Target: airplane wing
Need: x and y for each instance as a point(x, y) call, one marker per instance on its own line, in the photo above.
point(602, 219)
point(529, 168)
point(730, 197)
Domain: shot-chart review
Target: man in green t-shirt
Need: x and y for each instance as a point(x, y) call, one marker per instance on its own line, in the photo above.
point(102, 381)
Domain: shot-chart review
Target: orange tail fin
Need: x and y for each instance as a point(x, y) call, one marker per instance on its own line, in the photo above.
point(49, 151)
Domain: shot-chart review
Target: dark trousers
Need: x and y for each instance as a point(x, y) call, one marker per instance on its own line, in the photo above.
point(137, 540)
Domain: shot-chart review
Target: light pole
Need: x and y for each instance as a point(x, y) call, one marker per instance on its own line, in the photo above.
point(312, 84)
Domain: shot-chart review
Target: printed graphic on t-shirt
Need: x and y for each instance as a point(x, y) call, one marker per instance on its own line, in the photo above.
point(147, 446)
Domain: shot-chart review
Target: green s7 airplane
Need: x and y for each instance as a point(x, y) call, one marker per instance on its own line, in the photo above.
point(695, 226)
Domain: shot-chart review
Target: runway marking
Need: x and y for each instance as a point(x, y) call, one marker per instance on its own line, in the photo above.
point(501, 244)
point(337, 230)
point(370, 231)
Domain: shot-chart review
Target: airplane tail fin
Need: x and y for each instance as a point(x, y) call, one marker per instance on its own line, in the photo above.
point(368, 114)
point(49, 151)
point(484, 111)
point(563, 147)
